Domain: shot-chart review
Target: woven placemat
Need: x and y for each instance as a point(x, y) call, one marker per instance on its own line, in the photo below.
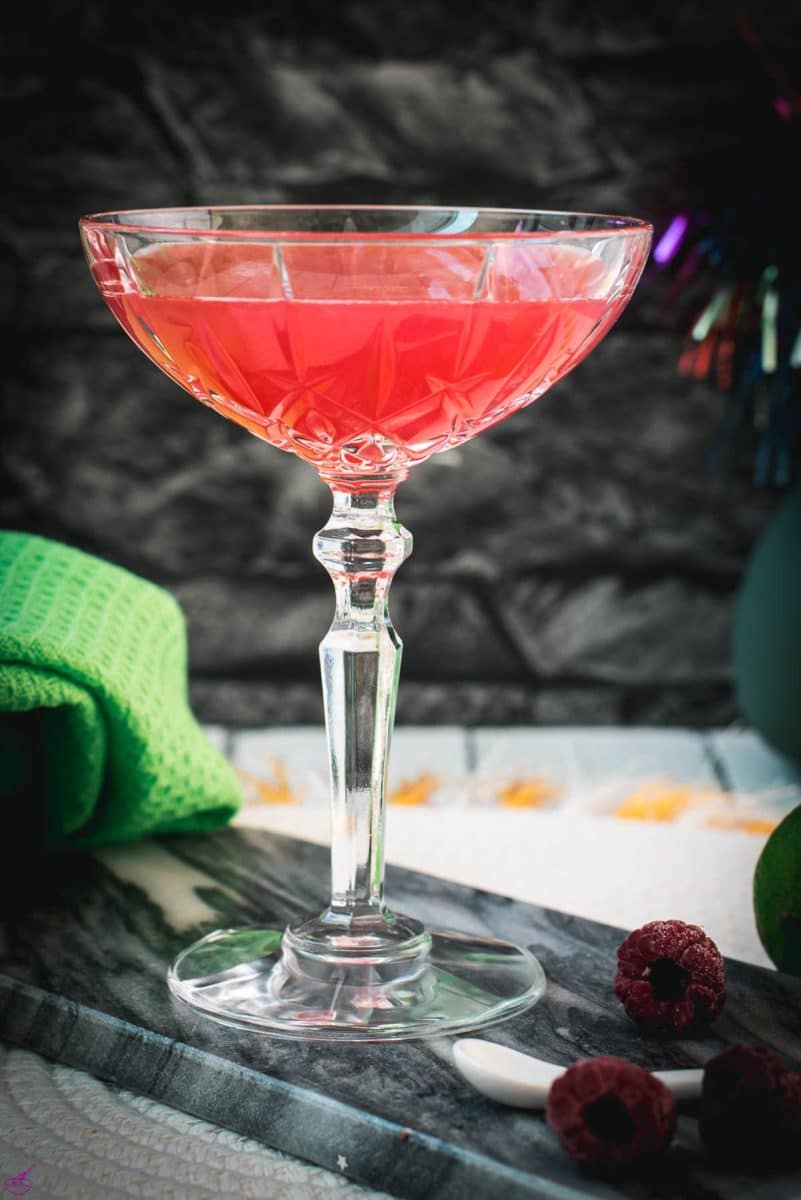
point(64, 1134)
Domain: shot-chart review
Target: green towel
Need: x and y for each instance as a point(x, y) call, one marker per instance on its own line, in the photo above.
point(97, 740)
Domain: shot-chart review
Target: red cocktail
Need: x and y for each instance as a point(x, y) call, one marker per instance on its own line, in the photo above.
point(316, 346)
point(363, 340)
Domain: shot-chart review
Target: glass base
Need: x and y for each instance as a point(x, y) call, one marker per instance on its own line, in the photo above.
point(317, 984)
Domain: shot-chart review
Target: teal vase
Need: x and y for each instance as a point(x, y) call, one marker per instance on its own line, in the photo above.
point(767, 632)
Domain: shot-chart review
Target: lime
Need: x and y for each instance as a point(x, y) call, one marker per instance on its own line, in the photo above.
point(777, 894)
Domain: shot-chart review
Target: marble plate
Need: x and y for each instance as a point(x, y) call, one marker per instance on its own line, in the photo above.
point(85, 948)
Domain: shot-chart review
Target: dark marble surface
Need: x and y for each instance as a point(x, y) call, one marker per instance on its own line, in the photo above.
point(82, 981)
point(575, 565)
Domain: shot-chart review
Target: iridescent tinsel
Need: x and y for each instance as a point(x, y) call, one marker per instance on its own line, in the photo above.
point(735, 287)
point(743, 334)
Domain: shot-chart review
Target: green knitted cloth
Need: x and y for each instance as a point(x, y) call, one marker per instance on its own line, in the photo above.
point(97, 740)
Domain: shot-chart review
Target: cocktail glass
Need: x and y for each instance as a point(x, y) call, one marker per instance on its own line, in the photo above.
point(364, 340)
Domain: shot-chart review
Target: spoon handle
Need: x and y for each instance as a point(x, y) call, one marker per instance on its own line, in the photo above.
point(685, 1085)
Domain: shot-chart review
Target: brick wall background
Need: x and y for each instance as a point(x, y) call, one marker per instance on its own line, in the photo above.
point(575, 564)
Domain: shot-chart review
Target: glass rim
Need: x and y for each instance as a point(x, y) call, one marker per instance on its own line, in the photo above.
point(609, 223)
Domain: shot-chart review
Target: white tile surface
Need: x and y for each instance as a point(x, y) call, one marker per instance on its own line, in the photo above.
point(592, 770)
point(754, 767)
point(289, 766)
point(437, 756)
point(284, 766)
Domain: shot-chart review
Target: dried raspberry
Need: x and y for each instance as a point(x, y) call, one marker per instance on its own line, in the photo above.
point(670, 977)
point(609, 1114)
point(751, 1109)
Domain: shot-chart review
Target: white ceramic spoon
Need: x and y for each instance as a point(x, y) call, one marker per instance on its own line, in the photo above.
point(523, 1081)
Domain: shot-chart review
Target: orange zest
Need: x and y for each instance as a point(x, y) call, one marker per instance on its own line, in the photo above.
point(528, 793)
point(274, 788)
point(415, 791)
point(661, 801)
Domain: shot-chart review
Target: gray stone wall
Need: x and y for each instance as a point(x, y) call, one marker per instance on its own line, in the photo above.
point(575, 564)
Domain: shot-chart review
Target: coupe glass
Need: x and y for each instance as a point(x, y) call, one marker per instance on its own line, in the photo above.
point(363, 340)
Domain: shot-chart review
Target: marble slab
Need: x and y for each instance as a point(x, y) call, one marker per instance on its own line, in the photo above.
point(83, 952)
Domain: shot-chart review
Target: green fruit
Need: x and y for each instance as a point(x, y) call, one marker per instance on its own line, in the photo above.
point(777, 894)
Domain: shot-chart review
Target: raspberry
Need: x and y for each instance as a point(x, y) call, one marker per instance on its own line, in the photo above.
point(609, 1114)
point(670, 977)
point(751, 1109)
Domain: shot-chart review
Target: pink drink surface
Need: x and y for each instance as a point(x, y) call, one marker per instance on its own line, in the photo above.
point(363, 356)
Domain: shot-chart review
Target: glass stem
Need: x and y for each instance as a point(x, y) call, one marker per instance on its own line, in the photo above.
point(361, 547)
